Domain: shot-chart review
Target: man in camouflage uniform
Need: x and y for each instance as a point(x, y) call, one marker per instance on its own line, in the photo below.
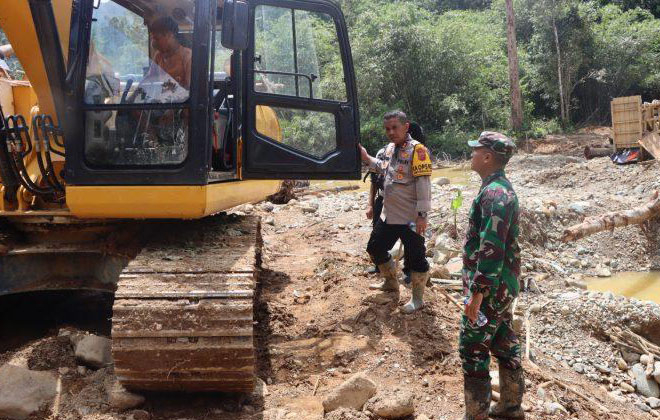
point(491, 267)
point(406, 202)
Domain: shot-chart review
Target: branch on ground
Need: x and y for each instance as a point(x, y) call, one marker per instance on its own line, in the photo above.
point(609, 221)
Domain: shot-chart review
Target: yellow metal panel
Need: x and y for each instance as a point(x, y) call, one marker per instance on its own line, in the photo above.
point(16, 22)
point(164, 202)
point(227, 195)
point(24, 99)
point(6, 97)
point(137, 202)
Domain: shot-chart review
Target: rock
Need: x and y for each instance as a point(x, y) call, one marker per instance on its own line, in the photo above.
point(653, 402)
point(579, 367)
point(422, 417)
point(351, 394)
point(440, 257)
point(267, 206)
point(644, 359)
point(626, 387)
point(535, 308)
point(392, 405)
point(439, 272)
point(602, 271)
point(94, 351)
point(308, 209)
point(442, 181)
point(455, 265)
point(656, 371)
point(248, 208)
point(616, 396)
point(643, 407)
point(630, 357)
point(23, 391)
point(576, 283)
point(120, 399)
point(270, 220)
point(603, 369)
point(579, 207)
point(552, 408)
point(623, 365)
point(260, 387)
point(565, 310)
point(646, 387)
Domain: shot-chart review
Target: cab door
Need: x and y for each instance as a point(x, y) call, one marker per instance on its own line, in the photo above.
point(300, 111)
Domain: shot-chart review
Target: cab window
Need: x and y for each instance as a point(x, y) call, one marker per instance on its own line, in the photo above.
point(139, 54)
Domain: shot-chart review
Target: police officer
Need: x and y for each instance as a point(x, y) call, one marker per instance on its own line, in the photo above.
point(491, 267)
point(406, 202)
point(375, 204)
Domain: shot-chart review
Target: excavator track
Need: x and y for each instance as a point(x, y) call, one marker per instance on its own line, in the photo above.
point(183, 309)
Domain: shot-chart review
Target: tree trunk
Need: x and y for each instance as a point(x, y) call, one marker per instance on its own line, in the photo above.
point(609, 221)
point(512, 47)
point(562, 99)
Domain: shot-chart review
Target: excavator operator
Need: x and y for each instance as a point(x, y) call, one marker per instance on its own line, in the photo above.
point(171, 58)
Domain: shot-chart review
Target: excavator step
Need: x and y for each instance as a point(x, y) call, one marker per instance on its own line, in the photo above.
point(183, 310)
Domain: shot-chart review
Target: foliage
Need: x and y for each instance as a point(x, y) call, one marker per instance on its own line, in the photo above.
point(444, 62)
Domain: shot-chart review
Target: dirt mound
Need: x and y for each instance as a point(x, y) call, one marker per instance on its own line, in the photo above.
point(51, 353)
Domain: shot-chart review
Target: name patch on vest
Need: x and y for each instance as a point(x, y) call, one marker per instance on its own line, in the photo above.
point(421, 164)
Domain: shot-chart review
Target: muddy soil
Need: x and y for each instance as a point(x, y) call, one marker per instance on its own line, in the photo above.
point(317, 322)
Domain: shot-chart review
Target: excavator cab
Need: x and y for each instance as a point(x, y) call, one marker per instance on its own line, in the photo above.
point(194, 92)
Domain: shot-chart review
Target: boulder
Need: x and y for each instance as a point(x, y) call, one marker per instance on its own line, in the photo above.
point(656, 371)
point(646, 387)
point(94, 351)
point(120, 399)
point(653, 402)
point(23, 391)
point(351, 394)
point(455, 265)
point(392, 405)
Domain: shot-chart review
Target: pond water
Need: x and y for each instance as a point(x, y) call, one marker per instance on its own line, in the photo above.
point(642, 285)
point(457, 176)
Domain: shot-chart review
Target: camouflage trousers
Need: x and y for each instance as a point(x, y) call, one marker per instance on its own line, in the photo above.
point(497, 337)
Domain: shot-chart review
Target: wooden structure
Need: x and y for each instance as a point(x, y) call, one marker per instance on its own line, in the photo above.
point(635, 123)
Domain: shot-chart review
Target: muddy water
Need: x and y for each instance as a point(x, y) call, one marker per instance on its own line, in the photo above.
point(642, 285)
point(456, 175)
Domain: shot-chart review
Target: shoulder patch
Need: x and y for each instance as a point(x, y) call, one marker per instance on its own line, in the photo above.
point(421, 164)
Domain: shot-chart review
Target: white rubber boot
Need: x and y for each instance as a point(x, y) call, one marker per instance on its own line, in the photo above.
point(416, 302)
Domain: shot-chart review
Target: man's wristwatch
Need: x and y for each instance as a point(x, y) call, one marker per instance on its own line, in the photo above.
point(422, 214)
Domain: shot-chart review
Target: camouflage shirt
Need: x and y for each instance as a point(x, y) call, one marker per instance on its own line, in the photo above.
point(491, 255)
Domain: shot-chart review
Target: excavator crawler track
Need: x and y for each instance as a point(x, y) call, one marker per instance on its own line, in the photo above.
point(183, 309)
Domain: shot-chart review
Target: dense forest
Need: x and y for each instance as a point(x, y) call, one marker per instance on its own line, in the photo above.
point(444, 62)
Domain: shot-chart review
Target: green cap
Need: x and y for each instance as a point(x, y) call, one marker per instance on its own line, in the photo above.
point(497, 142)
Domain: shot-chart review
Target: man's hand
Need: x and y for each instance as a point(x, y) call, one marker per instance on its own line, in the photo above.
point(421, 224)
point(473, 305)
point(364, 155)
point(370, 212)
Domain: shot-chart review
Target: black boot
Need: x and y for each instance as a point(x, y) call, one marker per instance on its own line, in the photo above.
point(512, 388)
point(477, 397)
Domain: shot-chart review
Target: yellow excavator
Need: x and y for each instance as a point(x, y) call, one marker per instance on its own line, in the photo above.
point(150, 118)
